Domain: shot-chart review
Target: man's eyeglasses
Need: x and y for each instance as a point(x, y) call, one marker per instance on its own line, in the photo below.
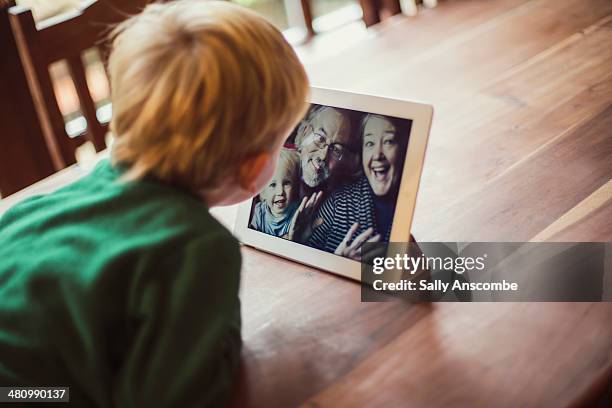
point(338, 150)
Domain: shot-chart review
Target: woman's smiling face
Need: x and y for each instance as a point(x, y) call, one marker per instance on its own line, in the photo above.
point(380, 155)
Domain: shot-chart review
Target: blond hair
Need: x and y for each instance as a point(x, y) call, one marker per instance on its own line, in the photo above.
point(289, 159)
point(197, 87)
point(288, 162)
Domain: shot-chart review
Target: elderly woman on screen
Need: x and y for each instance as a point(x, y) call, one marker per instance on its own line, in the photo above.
point(363, 211)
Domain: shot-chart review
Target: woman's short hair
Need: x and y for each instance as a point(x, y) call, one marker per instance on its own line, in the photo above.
point(197, 87)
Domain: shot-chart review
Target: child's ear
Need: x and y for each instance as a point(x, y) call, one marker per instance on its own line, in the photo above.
point(251, 169)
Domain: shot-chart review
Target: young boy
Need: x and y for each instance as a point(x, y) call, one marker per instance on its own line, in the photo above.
point(122, 286)
point(279, 199)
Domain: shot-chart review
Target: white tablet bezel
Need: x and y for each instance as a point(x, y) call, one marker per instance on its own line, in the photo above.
point(421, 115)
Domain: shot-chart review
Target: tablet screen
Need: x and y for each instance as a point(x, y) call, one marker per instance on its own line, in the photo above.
point(337, 181)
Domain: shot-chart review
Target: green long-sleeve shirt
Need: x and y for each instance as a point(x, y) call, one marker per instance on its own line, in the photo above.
point(125, 292)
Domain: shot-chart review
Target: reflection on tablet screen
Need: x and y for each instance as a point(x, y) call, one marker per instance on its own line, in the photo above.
point(337, 181)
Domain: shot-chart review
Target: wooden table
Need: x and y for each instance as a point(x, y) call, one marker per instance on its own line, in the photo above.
point(521, 149)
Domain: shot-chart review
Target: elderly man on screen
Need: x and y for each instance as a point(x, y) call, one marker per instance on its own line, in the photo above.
point(323, 140)
point(324, 143)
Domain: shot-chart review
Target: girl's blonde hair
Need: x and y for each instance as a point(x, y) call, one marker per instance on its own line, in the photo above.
point(289, 159)
point(289, 162)
point(197, 87)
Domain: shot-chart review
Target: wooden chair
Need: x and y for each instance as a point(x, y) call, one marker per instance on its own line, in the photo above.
point(307, 11)
point(66, 37)
point(24, 157)
point(375, 10)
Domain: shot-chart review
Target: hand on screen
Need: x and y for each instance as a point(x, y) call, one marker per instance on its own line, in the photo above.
point(351, 248)
point(301, 225)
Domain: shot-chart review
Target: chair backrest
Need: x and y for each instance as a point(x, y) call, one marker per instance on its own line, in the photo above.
point(24, 156)
point(66, 37)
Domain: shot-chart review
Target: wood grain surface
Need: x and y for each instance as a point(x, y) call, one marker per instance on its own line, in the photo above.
point(520, 149)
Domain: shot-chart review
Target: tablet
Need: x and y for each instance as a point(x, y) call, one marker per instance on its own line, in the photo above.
point(348, 174)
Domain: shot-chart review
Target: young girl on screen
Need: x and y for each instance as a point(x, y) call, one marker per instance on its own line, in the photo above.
point(279, 199)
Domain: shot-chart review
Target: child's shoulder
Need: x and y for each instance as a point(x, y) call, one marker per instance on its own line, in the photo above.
point(103, 206)
point(259, 215)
